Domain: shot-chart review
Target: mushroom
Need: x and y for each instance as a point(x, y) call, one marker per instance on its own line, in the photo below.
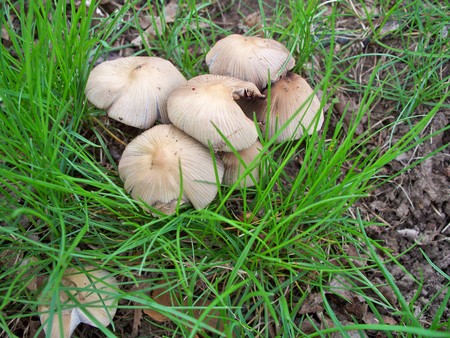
point(293, 106)
point(88, 293)
point(165, 167)
point(235, 166)
point(134, 90)
point(250, 58)
point(205, 109)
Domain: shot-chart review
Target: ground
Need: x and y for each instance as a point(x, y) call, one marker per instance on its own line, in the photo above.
point(413, 207)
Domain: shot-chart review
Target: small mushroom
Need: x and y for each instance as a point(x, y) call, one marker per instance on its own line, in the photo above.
point(165, 167)
point(292, 103)
point(87, 293)
point(134, 90)
point(250, 58)
point(235, 166)
point(206, 104)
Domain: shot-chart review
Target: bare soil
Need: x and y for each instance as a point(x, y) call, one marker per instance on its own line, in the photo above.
point(414, 207)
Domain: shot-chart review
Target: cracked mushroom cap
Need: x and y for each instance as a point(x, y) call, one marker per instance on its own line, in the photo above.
point(250, 58)
point(207, 103)
point(150, 168)
point(235, 167)
point(87, 293)
point(291, 97)
point(134, 90)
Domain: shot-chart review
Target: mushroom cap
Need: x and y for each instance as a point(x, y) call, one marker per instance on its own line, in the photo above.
point(150, 168)
point(291, 98)
point(207, 102)
point(95, 297)
point(234, 167)
point(250, 58)
point(96, 293)
point(134, 90)
point(69, 322)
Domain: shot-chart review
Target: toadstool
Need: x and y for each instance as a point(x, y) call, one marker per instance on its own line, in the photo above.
point(235, 166)
point(206, 105)
point(249, 58)
point(134, 90)
point(151, 163)
point(87, 293)
point(293, 106)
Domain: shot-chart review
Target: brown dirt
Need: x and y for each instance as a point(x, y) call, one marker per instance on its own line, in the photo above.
point(414, 206)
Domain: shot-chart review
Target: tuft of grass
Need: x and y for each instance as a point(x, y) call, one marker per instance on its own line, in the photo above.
point(255, 253)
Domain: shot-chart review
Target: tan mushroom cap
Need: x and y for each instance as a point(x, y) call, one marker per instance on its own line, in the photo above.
point(207, 103)
point(291, 97)
point(150, 168)
point(249, 58)
point(69, 321)
point(234, 167)
point(134, 90)
point(95, 297)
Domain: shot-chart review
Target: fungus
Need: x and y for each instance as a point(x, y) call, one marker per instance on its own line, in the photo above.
point(235, 167)
point(150, 168)
point(134, 90)
point(206, 105)
point(293, 106)
point(250, 58)
point(87, 293)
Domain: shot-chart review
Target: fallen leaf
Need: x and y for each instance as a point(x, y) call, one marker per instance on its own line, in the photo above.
point(309, 325)
point(170, 12)
point(356, 307)
point(370, 318)
point(253, 20)
point(340, 287)
point(389, 27)
point(411, 234)
point(312, 304)
point(163, 297)
point(5, 35)
point(137, 319)
point(389, 294)
point(355, 256)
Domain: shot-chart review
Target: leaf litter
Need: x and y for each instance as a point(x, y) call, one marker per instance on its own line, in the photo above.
point(420, 206)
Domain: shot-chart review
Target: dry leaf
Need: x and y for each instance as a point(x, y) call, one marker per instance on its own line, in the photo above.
point(137, 319)
point(253, 20)
point(5, 35)
point(389, 27)
point(356, 307)
point(312, 304)
point(309, 325)
point(340, 287)
point(356, 258)
point(411, 234)
point(163, 297)
point(170, 12)
point(370, 318)
point(389, 294)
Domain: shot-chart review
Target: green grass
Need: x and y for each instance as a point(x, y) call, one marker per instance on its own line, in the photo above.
point(257, 253)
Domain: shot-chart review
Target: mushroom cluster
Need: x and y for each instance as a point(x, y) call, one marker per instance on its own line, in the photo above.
point(293, 109)
point(207, 135)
